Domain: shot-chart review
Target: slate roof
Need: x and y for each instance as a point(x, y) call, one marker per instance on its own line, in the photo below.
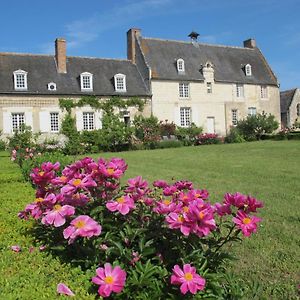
point(286, 98)
point(42, 70)
point(161, 56)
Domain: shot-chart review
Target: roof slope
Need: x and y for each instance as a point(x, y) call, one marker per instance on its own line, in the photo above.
point(228, 62)
point(286, 98)
point(42, 70)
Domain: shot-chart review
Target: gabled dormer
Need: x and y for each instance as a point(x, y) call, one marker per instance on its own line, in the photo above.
point(20, 80)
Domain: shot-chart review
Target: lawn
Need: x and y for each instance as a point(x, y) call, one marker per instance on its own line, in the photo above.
point(267, 170)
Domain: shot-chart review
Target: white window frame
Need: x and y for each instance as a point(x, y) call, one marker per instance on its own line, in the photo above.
point(248, 70)
point(17, 120)
point(263, 92)
point(54, 121)
point(180, 66)
point(252, 111)
point(120, 82)
point(88, 120)
point(20, 74)
point(234, 117)
point(85, 78)
point(209, 87)
point(185, 116)
point(184, 90)
point(240, 90)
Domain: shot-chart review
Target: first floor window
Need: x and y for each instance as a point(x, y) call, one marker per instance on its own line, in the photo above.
point(88, 121)
point(240, 90)
point(185, 116)
point(54, 122)
point(209, 87)
point(263, 92)
point(251, 111)
point(298, 109)
point(18, 120)
point(183, 90)
point(234, 116)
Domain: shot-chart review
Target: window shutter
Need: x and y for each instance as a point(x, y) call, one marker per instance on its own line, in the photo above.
point(177, 116)
point(79, 120)
point(44, 121)
point(7, 123)
point(98, 120)
point(28, 119)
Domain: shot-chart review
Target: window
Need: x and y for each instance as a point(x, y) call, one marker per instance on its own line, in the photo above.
point(180, 65)
point(263, 92)
point(248, 70)
point(234, 116)
point(88, 121)
point(209, 87)
point(20, 80)
point(183, 90)
point(86, 80)
point(18, 120)
point(51, 86)
point(240, 90)
point(298, 109)
point(251, 111)
point(120, 83)
point(54, 122)
point(185, 116)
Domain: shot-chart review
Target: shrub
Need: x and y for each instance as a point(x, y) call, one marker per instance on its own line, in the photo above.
point(155, 239)
point(167, 129)
point(207, 139)
point(2, 145)
point(169, 144)
point(253, 127)
point(234, 136)
point(188, 134)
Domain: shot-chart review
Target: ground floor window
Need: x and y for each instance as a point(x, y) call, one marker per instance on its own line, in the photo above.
point(88, 121)
point(251, 111)
point(185, 116)
point(18, 120)
point(54, 122)
point(234, 116)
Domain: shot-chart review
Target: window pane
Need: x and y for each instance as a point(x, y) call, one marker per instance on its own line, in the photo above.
point(234, 116)
point(185, 116)
point(240, 90)
point(209, 87)
point(183, 90)
point(88, 121)
point(18, 119)
point(54, 122)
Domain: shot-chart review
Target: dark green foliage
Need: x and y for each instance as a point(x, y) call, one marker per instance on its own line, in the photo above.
point(167, 129)
point(68, 126)
point(187, 135)
point(253, 127)
point(3, 145)
point(169, 144)
point(234, 136)
point(21, 139)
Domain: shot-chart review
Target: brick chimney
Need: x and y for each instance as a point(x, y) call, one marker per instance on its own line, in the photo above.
point(132, 34)
point(250, 43)
point(60, 55)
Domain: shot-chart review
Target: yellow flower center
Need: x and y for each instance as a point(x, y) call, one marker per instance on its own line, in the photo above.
point(197, 195)
point(79, 224)
point(109, 279)
point(180, 219)
point(63, 178)
point(201, 215)
point(110, 171)
point(77, 182)
point(188, 276)
point(41, 173)
point(121, 200)
point(246, 221)
point(185, 209)
point(185, 197)
point(39, 200)
point(57, 207)
point(166, 202)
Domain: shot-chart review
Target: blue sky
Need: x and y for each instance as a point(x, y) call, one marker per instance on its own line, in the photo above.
point(98, 28)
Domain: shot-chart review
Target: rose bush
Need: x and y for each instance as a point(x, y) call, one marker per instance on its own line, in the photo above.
point(140, 241)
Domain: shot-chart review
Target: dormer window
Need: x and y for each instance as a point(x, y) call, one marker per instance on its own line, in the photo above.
point(20, 80)
point(51, 86)
point(86, 81)
point(120, 83)
point(180, 65)
point(248, 70)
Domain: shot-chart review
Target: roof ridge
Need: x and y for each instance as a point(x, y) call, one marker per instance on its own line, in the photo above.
point(25, 54)
point(204, 44)
point(102, 58)
point(288, 91)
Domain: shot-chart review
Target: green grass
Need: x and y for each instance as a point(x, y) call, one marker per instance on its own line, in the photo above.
point(267, 170)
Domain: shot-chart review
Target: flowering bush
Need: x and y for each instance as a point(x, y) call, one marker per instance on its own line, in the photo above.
point(140, 241)
point(207, 139)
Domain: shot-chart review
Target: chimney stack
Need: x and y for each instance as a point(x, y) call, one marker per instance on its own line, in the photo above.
point(250, 43)
point(132, 35)
point(60, 55)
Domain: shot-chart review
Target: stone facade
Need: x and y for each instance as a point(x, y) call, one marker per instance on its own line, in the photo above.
point(290, 107)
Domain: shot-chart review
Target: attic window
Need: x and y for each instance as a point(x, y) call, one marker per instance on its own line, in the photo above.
point(120, 82)
point(20, 80)
point(248, 70)
point(180, 65)
point(86, 81)
point(51, 86)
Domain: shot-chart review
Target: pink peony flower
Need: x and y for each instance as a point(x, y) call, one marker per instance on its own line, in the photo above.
point(82, 226)
point(110, 280)
point(64, 290)
point(247, 223)
point(177, 221)
point(58, 215)
point(188, 279)
point(122, 204)
point(78, 183)
point(160, 184)
point(15, 248)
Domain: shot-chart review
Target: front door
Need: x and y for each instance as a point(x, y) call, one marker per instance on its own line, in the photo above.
point(210, 124)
